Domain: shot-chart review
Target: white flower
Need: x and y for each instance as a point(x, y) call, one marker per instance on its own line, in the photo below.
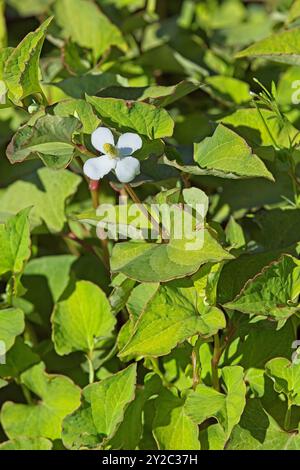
point(115, 157)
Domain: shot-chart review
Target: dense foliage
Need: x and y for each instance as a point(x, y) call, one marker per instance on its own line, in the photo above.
point(125, 343)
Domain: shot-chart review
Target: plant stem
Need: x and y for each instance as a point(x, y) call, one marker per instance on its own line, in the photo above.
point(293, 176)
point(196, 378)
point(214, 363)
point(266, 126)
point(26, 394)
point(287, 419)
point(109, 355)
point(84, 150)
point(91, 367)
point(153, 222)
point(151, 6)
point(94, 187)
point(156, 369)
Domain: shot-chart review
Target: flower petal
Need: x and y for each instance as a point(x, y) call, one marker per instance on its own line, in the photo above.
point(129, 143)
point(96, 168)
point(127, 169)
point(102, 136)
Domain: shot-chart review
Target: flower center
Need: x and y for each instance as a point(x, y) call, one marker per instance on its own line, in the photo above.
point(110, 150)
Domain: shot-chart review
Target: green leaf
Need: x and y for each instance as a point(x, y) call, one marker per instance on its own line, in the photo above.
point(15, 243)
point(266, 233)
point(85, 24)
point(139, 298)
point(226, 152)
point(45, 280)
point(194, 196)
point(171, 316)
point(58, 397)
point(154, 262)
point(235, 274)
point(3, 383)
point(229, 89)
point(27, 443)
point(110, 398)
point(81, 110)
point(161, 96)
point(173, 429)
point(78, 429)
point(30, 7)
point(234, 234)
point(206, 402)
point(50, 139)
point(248, 124)
point(21, 69)
point(254, 344)
point(122, 287)
point(81, 319)
point(90, 84)
point(11, 325)
point(18, 359)
point(102, 410)
point(3, 33)
point(142, 118)
point(273, 292)
point(131, 429)
point(257, 430)
point(286, 378)
point(48, 203)
point(281, 47)
point(294, 11)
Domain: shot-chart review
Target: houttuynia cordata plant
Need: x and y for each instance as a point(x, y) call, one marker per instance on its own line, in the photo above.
point(149, 224)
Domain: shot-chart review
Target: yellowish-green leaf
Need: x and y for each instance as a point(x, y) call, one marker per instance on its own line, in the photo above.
point(84, 317)
point(58, 396)
point(48, 203)
point(27, 443)
point(12, 324)
point(21, 69)
point(142, 118)
point(228, 153)
point(103, 406)
point(50, 139)
point(15, 243)
point(171, 316)
point(281, 47)
point(85, 24)
point(273, 292)
point(173, 429)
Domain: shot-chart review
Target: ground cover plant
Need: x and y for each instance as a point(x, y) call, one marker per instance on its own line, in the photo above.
point(115, 331)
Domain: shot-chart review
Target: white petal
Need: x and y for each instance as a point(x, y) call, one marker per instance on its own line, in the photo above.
point(96, 168)
point(129, 143)
point(127, 169)
point(102, 136)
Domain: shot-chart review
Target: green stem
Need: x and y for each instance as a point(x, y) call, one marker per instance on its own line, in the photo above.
point(94, 187)
point(151, 6)
point(196, 378)
point(293, 177)
point(82, 149)
point(162, 232)
point(266, 126)
point(215, 362)
point(111, 354)
point(91, 367)
point(10, 291)
point(26, 394)
point(156, 369)
point(287, 419)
